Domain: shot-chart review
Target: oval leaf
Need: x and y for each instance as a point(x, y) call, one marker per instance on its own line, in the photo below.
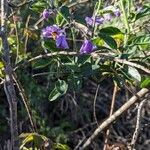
point(134, 73)
point(60, 89)
point(108, 40)
point(141, 40)
point(144, 12)
point(145, 83)
point(110, 31)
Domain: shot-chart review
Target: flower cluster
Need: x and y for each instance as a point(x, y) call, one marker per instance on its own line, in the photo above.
point(101, 19)
point(57, 34)
point(98, 20)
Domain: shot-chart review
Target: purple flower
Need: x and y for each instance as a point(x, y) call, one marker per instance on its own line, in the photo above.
point(46, 14)
point(57, 34)
point(61, 42)
point(90, 20)
point(99, 20)
point(107, 17)
point(117, 12)
point(87, 47)
point(51, 31)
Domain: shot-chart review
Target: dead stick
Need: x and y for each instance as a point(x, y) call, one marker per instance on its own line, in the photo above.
point(111, 112)
point(25, 102)
point(138, 124)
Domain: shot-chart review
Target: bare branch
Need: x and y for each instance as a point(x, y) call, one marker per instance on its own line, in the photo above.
point(138, 121)
point(112, 118)
point(25, 102)
point(111, 112)
point(94, 55)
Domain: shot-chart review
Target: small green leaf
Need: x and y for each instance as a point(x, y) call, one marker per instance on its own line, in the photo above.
point(108, 40)
point(38, 6)
point(134, 73)
point(110, 30)
point(75, 82)
point(41, 64)
point(61, 86)
point(141, 40)
point(49, 45)
point(98, 41)
point(1, 65)
point(145, 83)
point(144, 12)
point(59, 146)
point(54, 95)
point(60, 89)
point(32, 137)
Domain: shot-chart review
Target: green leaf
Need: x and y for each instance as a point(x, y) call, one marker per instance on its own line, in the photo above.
point(49, 45)
point(108, 40)
point(110, 31)
point(141, 40)
point(61, 86)
point(32, 137)
point(59, 146)
point(75, 82)
point(134, 73)
point(1, 65)
point(144, 12)
point(54, 95)
point(86, 69)
point(38, 6)
point(98, 41)
point(60, 89)
point(59, 19)
point(41, 64)
point(145, 83)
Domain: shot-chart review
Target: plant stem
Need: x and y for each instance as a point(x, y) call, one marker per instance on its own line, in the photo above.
point(94, 15)
point(125, 22)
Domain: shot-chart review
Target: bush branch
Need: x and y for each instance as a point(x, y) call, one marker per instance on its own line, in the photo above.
point(94, 55)
point(118, 113)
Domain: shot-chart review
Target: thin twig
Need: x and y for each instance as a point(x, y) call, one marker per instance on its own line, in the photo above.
point(77, 3)
point(123, 61)
point(94, 55)
point(17, 39)
point(94, 105)
point(115, 115)
point(27, 36)
point(111, 112)
point(138, 124)
point(25, 102)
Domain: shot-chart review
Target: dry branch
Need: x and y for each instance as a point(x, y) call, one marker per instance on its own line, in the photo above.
point(112, 118)
point(138, 124)
point(94, 55)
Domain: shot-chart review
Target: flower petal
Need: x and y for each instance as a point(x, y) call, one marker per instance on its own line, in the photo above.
point(87, 47)
point(61, 42)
